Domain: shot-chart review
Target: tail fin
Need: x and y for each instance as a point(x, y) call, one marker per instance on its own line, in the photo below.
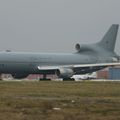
point(109, 40)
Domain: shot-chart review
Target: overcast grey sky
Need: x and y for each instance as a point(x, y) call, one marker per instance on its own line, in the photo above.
point(55, 25)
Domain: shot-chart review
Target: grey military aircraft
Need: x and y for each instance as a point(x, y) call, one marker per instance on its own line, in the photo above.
point(86, 59)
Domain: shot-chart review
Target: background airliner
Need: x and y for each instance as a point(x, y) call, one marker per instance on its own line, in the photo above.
point(87, 59)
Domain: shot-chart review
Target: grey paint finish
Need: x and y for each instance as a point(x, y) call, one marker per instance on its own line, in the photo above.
point(22, 62)
point(26, 63)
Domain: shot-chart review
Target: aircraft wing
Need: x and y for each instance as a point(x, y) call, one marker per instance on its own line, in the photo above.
point(78, 66)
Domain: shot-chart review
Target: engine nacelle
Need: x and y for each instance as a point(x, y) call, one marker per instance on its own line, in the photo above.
point(19, 76)
point(78, 47)
point(84, 48)
point(64, 73)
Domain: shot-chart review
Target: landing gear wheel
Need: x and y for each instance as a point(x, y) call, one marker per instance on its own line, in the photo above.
point(1, 77)
point(44, 78)
point(68, 79)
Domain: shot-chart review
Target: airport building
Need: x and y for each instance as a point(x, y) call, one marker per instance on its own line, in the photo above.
point(102, 74)
point(39, 76)
point(114, 73)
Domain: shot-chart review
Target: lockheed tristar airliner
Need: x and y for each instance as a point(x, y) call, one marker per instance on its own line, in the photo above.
point(86, 59)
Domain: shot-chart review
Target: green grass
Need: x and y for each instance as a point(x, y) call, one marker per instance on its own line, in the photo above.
point(76, 100)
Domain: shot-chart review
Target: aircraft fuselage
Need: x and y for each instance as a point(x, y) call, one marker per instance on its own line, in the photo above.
point(11, 62)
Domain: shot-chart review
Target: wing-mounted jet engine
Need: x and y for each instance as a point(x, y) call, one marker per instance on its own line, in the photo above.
point(64, 72)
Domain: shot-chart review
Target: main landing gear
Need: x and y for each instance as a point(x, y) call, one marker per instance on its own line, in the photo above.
point(68, 79)
point(1, 77)
point(44, 78)
point(48, 79)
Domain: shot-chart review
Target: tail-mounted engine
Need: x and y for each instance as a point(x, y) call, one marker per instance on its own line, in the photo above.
point(83, 48)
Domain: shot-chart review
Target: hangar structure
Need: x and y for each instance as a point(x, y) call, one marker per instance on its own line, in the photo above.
point(114, 73)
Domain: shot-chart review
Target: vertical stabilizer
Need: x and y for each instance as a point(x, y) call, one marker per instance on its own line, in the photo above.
point(109, 40)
